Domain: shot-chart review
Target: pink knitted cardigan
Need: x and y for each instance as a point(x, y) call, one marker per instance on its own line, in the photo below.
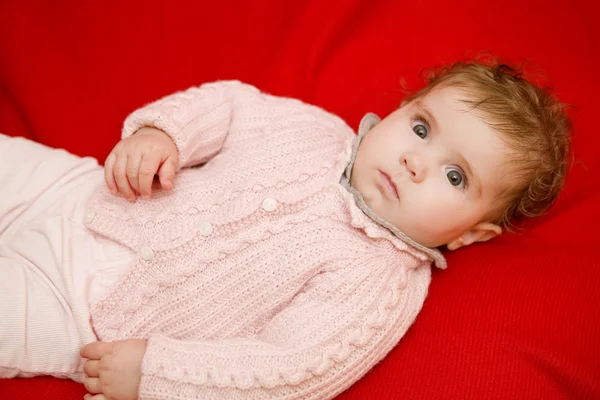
point(259, 276)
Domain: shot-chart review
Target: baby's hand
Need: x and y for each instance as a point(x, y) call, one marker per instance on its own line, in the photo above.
point(130, 168)
point(114, 369)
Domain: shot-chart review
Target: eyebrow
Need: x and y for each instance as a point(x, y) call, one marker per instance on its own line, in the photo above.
point(473, 179)
point(430, 118)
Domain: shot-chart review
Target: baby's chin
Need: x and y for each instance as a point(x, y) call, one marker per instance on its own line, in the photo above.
point(375, 201)
point(420, 234)
point(379, 204)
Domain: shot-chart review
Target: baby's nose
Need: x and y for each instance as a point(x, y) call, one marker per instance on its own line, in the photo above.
point(415, 166)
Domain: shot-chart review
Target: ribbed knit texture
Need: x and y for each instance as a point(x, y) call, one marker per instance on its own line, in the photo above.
point(259, 276)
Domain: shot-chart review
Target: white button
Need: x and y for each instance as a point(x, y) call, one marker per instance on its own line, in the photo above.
point(205, 228)
point(331, 188)
point(269, 204)
point(147, 253)
point(89, 217)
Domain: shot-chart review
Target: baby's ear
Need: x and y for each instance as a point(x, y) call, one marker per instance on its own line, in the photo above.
point(481, 232)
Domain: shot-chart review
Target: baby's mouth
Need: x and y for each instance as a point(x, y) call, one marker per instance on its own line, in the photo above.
point(389, 184)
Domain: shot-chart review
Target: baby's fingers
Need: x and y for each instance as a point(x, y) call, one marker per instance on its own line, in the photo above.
point(166, 173)
point(108, 173)
point(96, 397)
point(91, 368)
point(92, 385)
point(133, 167)
point(120, 171)
point(148, 167)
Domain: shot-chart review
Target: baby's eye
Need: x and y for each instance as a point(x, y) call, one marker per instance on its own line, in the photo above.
point(420, 129)
point(455, 177)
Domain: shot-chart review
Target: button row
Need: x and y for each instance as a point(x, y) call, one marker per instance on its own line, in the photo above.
point(204, 228)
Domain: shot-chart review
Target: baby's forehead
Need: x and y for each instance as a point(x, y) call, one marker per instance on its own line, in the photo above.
point(448, 95)
point(449, 108)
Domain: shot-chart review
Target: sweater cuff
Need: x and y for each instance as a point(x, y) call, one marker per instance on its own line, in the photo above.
point(197, 120)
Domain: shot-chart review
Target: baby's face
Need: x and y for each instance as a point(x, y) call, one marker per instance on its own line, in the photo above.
point(432, 168)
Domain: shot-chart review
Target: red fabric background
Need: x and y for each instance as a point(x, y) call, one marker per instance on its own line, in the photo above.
point(515, 318)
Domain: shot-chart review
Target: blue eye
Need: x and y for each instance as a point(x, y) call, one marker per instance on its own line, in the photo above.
point(420, 129)
point(455, 177)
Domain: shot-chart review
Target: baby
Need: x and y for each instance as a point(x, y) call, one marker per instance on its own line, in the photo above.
point(277, 255)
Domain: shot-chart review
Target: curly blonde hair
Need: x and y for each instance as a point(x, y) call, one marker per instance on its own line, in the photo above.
point(532, 122)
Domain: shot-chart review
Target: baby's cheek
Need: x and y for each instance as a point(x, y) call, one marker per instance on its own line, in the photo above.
point(440, 220)
point(457, 224)
point(372, 198)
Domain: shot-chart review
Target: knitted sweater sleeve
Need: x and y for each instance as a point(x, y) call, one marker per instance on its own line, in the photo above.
point(329, 336)
point(197, 119)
